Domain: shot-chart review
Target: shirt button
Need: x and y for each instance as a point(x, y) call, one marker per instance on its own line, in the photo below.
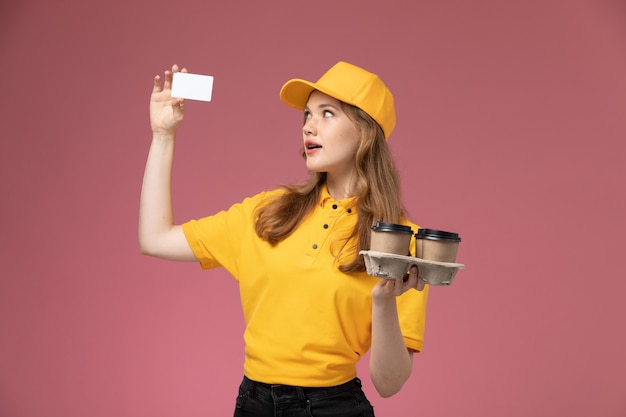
point(325, 226)
point(314, 246)
point(335, 206)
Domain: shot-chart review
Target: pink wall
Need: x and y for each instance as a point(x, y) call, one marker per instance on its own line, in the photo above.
point(511, 131)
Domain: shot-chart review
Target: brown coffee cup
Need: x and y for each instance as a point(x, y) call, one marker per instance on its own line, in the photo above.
point(391, 238)
point(436, 245)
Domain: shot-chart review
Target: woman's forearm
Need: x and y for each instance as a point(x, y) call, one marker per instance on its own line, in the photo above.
point(155, 207)
point(390, 361)
point(158, 235)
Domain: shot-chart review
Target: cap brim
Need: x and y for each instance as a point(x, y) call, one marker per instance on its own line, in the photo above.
point(296, 92)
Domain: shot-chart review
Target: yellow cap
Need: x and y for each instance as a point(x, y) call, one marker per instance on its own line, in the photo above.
point(350, 84)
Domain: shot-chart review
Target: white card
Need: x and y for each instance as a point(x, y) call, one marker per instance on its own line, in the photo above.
point(192, 86)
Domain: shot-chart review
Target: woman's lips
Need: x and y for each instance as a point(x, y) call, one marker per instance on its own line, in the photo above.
point(311, 151)
point(311, 147)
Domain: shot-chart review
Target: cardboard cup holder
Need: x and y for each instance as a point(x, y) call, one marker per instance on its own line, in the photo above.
point(392, 266)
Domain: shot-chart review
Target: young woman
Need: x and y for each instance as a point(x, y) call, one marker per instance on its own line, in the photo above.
point(311, 311)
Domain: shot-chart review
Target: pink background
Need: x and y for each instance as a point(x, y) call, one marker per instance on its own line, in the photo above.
point(511, 128)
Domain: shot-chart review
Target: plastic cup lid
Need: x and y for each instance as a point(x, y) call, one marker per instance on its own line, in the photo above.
point(434, 234)
point(391, 227)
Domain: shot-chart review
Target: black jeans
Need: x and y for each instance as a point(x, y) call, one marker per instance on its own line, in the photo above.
point(257, 399)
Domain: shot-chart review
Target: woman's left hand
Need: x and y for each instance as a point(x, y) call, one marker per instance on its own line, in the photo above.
point(396, 287)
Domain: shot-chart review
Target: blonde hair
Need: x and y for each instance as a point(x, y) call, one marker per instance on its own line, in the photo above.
point(377, 192)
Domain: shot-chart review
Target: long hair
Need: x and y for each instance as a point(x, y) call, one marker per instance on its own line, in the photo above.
point(377, 192)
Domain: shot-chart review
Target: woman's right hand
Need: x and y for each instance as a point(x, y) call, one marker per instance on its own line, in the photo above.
point(166, 112)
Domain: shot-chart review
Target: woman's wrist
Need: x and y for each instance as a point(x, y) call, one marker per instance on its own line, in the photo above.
point(384, 301)
point(384, 307)
point(164, 135)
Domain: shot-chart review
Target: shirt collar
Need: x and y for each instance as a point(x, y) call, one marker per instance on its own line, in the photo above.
point(349, 203)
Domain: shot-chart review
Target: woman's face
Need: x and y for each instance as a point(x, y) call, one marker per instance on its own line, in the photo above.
point(330, 137)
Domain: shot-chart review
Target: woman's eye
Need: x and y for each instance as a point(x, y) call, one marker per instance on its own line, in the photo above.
point(307, 115)
point(328, 113)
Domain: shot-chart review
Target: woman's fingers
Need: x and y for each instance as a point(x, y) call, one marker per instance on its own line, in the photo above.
point(169, 76)
point(178, 104)
point(412, 280)
point(419, 282)
point(156, 87)
point(396, 287)
point(167, 85)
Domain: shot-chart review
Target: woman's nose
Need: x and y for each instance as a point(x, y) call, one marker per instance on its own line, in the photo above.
point(309, 127)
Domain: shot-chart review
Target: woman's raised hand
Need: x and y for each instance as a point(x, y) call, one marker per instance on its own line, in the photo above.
point(166, 112)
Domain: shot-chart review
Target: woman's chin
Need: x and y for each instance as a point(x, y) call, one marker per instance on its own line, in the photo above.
point(314, 168)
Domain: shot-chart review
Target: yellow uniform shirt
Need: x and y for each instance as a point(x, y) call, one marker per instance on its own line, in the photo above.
point(307, 323)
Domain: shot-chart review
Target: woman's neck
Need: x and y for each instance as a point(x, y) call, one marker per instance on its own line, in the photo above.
point(339, 188)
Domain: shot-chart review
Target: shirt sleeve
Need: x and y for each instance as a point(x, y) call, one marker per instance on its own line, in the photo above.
point(412, 317)
point(217, 240)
